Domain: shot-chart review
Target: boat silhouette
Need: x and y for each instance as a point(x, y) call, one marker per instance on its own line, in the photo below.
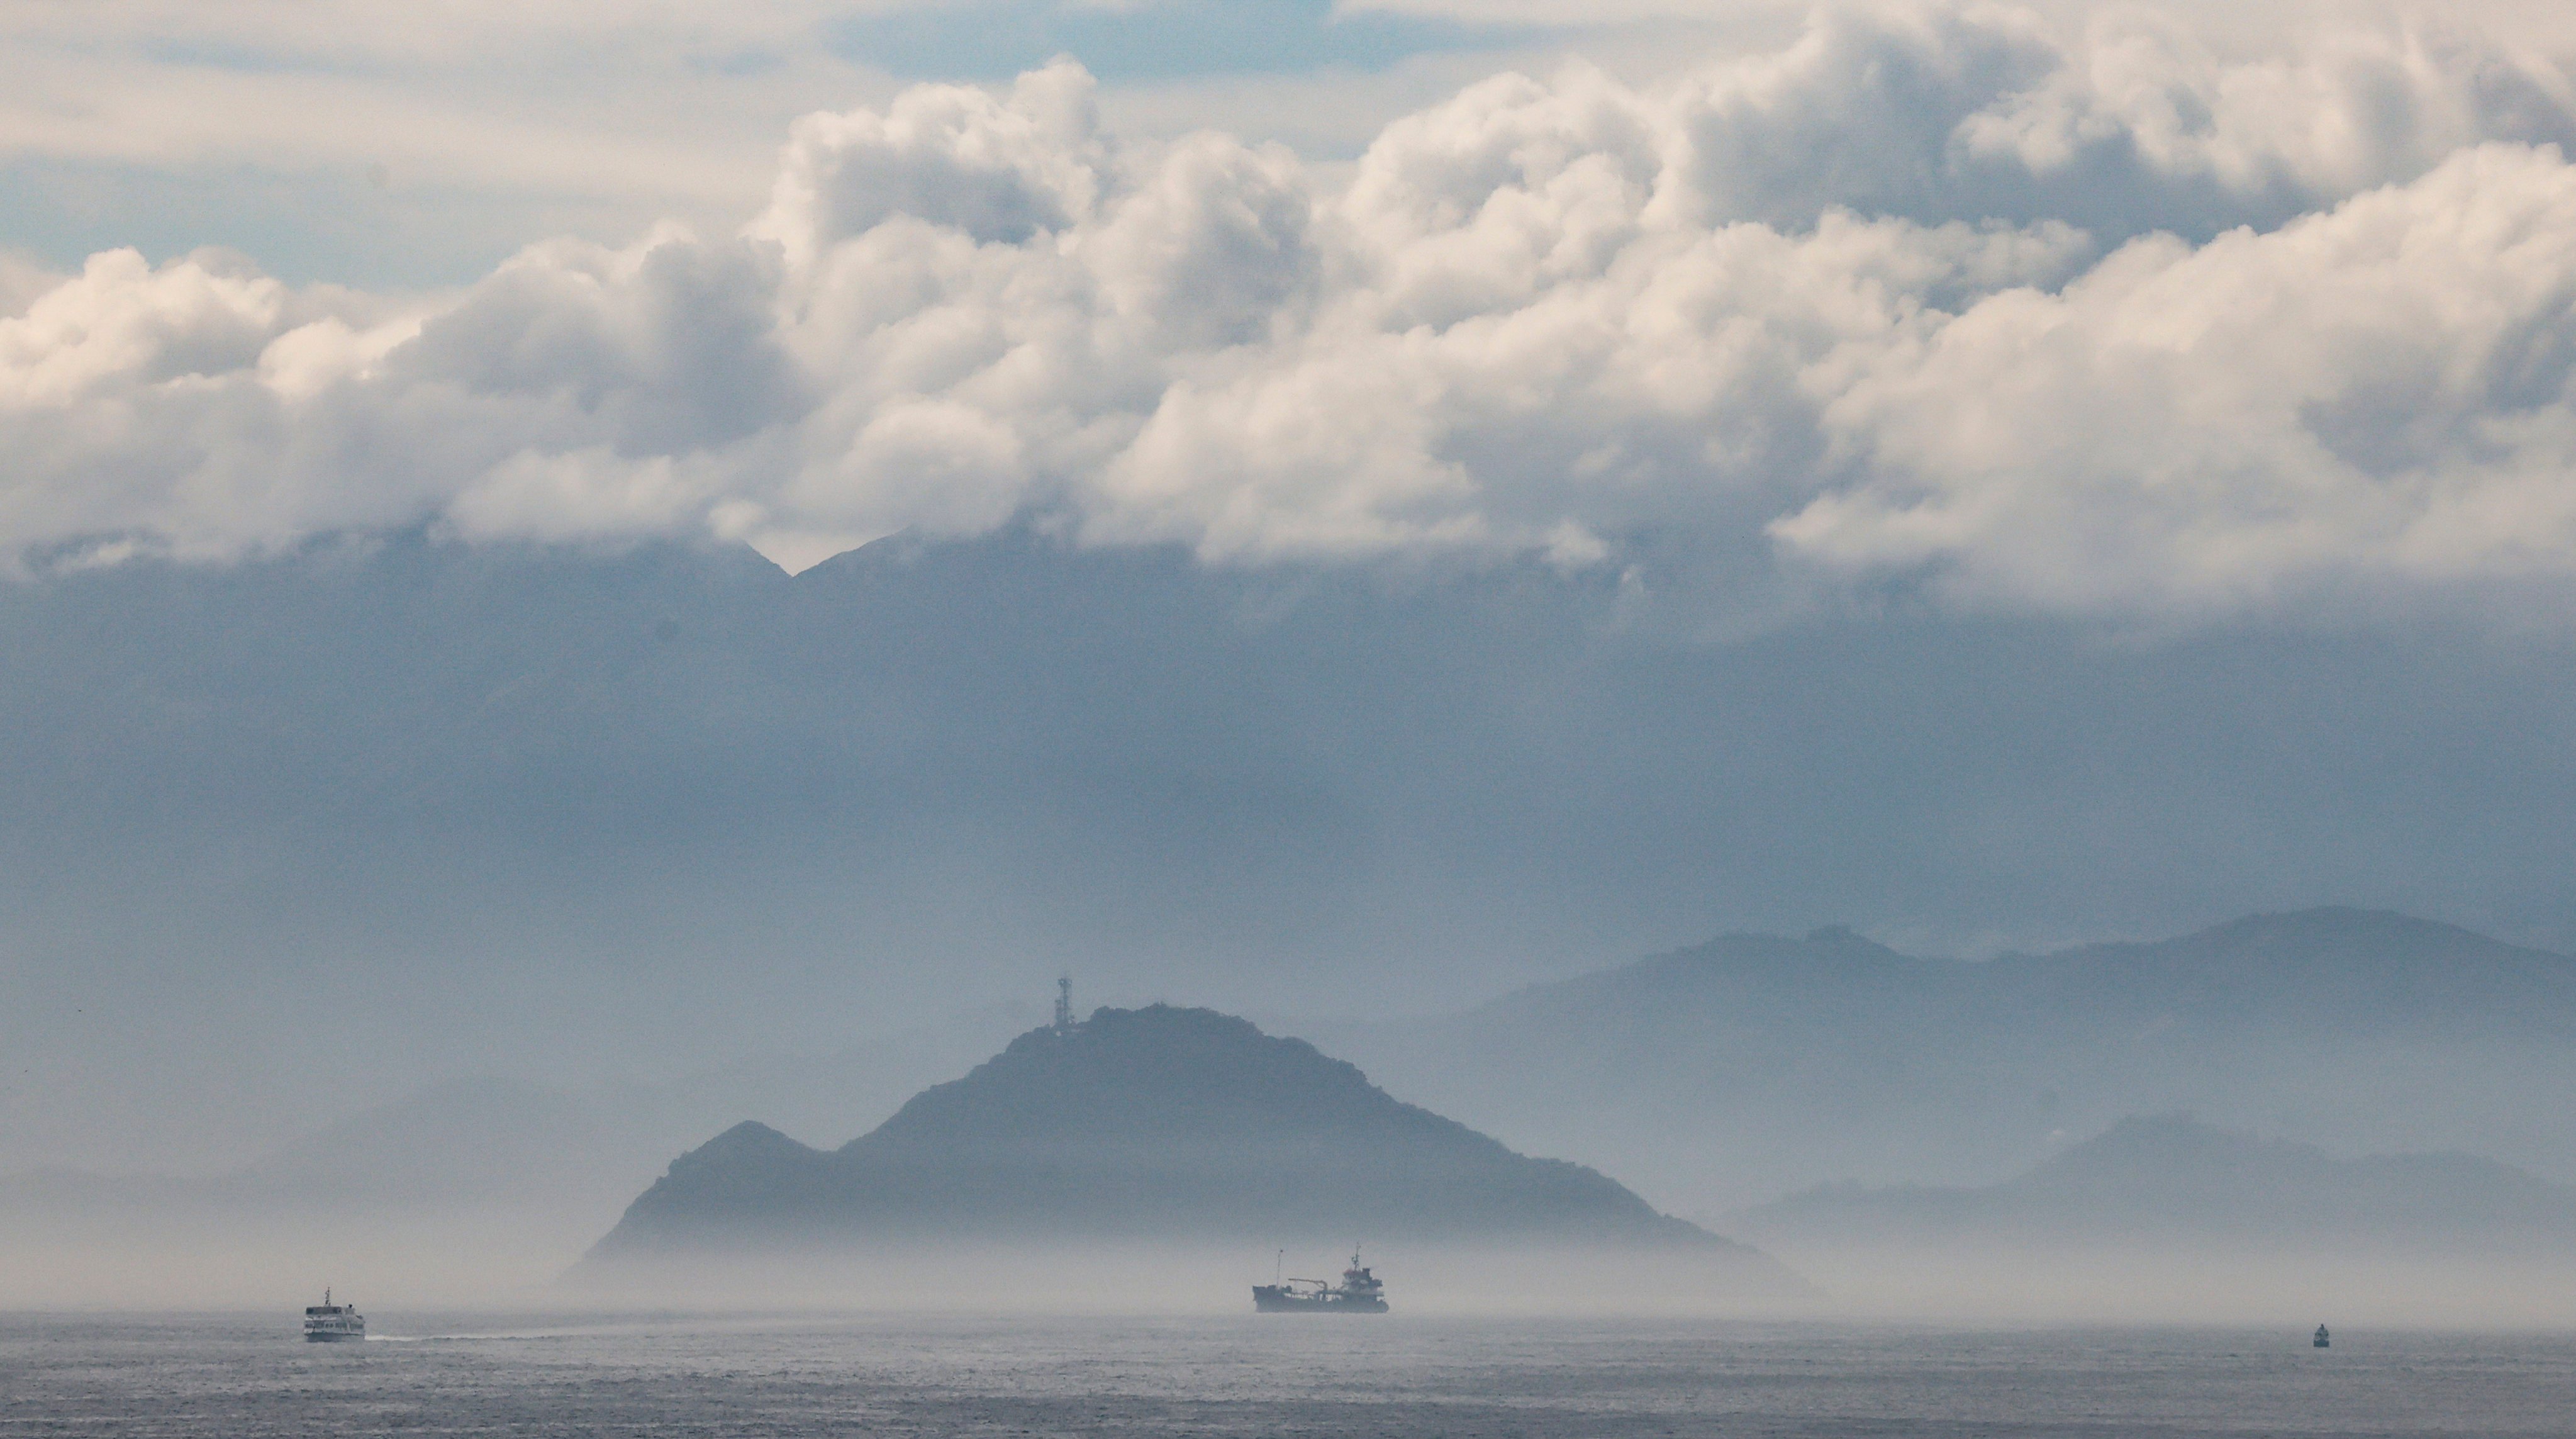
point(1360, 1292)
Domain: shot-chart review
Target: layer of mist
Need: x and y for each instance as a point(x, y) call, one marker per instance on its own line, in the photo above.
point(2173, 1178)
point(470, 1192)
point(1936, 1094)
point(2168, 1218)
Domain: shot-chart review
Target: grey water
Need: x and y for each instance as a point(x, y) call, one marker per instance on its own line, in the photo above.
point(460, 1374)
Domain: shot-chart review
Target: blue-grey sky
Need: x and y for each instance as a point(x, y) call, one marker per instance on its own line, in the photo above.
point(1400, 499)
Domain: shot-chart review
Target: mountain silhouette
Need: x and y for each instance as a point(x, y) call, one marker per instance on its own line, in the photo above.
point(2170, 1179)
point(1755, 1065)
point(1159, 1122)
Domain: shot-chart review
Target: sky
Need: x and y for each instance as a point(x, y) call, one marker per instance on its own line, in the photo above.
point(1370, 505)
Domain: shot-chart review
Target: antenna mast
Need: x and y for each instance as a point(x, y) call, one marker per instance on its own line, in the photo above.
point(1064, 1003)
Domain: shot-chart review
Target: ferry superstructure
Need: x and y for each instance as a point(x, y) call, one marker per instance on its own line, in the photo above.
point(329, 1323)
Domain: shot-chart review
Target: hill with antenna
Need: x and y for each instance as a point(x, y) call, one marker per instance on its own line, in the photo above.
point(1159, 1124)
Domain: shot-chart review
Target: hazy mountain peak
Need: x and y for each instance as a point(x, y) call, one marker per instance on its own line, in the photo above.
point(2344, 925)
point(749, 1142)
point(1753, 1065)
point(1160, 1120)
point(2150, 1177)
point(1832, 955)
point(1156, 1071)
point(2142, 1153)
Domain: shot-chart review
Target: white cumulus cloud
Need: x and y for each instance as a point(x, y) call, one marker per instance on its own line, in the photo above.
point(2111, 326)
point(2383, 388)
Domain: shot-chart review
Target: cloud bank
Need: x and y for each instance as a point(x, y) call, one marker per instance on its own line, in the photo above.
point(1926, 298)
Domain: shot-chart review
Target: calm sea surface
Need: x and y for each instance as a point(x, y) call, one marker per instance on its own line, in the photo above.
point(1279, 1375)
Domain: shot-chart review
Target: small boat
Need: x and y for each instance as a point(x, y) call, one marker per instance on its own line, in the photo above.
point(1360, 1292)
point(2320, 1341)
point(329, 1323)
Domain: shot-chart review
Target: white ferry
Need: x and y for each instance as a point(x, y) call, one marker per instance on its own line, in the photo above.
point(329, 1323)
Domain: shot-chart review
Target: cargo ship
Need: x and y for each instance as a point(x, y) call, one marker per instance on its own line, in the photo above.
point(1360, 1292)
point(329, 1323)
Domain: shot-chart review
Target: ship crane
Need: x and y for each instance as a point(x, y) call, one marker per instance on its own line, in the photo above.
point(1360, 1292)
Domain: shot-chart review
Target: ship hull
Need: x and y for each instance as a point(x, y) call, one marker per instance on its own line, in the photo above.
point(332, 1336)
point(1272, 1299)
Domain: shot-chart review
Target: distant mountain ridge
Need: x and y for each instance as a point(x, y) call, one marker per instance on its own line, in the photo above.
point(1158, 1122)
point(2345, 966)
point(2170, 1179)
point(2310, 955)
point(1753, 1065)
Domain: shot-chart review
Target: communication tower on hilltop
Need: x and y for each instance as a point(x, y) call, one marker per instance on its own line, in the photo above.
point(1064, 1003)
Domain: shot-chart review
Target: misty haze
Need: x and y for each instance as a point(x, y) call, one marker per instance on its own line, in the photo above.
point(1260, 716)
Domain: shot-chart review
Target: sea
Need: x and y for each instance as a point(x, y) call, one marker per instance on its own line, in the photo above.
point(671, 1376)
